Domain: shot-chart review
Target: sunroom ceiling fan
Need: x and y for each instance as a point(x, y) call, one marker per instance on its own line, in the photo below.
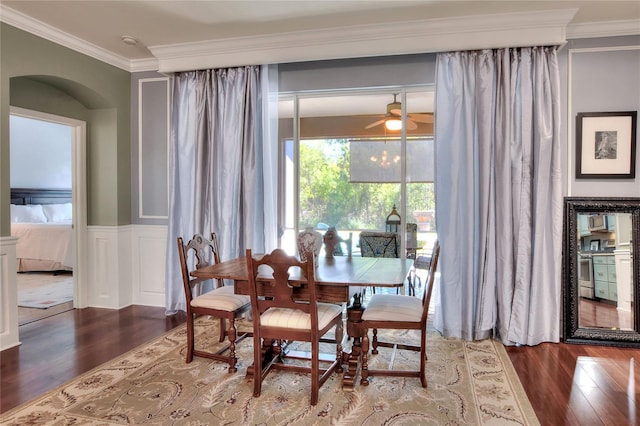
point(393, 119)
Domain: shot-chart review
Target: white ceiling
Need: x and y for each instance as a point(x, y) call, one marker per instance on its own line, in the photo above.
point(166, 24)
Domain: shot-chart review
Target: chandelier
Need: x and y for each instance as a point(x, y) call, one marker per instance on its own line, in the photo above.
point(384, 159)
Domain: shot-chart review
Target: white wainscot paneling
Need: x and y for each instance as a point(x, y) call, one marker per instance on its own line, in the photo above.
point(8, 294)
point(126, 265)
point(149, 245)
point(109, 266)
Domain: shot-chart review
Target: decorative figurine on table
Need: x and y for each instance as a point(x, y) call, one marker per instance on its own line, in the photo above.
point(331, 242)
point(309, 241)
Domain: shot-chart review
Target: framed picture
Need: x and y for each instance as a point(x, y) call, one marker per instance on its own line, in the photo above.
point(606, 145)
point(594, 245)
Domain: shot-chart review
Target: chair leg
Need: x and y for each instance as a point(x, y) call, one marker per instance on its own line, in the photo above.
point(257, 364)
point(315, 372)
point(374, 351)
point(410, 281)
point(423, 359)
point(364, 372)
point(339, 338)
point(222, 329)
point(190, 338)
point(232, 346)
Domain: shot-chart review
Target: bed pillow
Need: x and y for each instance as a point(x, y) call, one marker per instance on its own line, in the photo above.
point(31, 213)
point(57, 212)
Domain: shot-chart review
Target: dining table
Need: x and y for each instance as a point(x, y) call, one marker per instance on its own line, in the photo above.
point(339, 279)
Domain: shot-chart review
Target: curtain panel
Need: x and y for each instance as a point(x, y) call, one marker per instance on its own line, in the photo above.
point(216, 166)
point(499, 195)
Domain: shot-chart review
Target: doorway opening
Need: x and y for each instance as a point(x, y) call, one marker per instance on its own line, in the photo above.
point(48, 209)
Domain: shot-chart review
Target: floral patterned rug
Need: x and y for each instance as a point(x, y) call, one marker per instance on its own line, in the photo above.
point(471, 383)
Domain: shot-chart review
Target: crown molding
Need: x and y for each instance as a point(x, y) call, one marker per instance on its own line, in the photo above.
point(604, 29)
point(433, 35)
point(46, 31)
point(140, 65)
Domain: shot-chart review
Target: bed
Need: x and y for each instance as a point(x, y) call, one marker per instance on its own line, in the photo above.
point(42, 221)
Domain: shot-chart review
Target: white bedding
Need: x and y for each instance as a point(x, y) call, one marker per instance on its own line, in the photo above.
point(43, 246)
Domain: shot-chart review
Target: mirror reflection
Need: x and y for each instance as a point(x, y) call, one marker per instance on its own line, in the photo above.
point(605, 270)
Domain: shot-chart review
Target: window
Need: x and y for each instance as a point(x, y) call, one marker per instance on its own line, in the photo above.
point(342, 166)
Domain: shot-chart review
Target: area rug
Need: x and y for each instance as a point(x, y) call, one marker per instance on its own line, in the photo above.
point(470, 383)
point(44, 296)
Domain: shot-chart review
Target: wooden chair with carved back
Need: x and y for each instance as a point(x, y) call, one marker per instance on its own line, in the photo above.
point(281, 316)
point(221, 302)
point(398, 312)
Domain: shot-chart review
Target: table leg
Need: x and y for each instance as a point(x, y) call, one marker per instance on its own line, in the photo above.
point(352, 358)
point(268, 351)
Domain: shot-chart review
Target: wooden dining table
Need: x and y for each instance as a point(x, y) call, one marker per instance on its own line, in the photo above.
point(340, 279)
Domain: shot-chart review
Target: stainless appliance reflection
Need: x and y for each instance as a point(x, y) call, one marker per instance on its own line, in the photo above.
point(601, 276)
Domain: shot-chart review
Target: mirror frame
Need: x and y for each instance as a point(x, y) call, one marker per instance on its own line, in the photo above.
point(570, 288)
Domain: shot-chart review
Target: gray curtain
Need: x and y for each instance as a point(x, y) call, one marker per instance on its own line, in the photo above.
point(217, 163)
point(499, 195)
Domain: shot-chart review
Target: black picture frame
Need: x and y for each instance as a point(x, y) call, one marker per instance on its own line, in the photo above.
point(606, 145)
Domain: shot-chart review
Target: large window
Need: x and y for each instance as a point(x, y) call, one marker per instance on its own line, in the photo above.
point(344, 167)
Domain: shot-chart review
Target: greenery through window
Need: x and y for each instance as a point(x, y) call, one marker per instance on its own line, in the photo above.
point(327, 196)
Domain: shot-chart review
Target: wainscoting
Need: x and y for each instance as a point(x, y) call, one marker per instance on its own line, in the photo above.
point(122, 266)
point(126, 266)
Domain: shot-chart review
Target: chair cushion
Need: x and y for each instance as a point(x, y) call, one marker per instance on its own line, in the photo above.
point(393, 307)
point(222, 298)
point(295, 318)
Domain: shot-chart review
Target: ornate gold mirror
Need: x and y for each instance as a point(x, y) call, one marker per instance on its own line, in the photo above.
point(601, 271)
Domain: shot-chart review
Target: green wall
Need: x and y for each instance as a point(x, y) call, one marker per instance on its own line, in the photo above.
point(40, 75)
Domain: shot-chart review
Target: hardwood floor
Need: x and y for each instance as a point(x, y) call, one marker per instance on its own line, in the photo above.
point(580, 384)
point(56, 349)
point(567, 384)
point(600, 314)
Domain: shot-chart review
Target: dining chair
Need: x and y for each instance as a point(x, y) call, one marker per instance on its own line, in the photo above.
point(398, 312)
point(379, 244)
point(281, 318)
point(221, 302)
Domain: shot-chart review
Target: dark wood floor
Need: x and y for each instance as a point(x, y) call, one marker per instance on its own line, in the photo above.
point(580, 384)
point(54, 350)
point(567, 384)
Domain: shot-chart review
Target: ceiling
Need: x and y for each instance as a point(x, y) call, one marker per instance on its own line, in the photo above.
point(101, 24)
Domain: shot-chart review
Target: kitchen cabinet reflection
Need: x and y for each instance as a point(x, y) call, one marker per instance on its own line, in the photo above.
point(600, 279)
point(604, 271)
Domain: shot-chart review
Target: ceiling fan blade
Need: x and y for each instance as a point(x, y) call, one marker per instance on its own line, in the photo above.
point(411, 125)
point(422, 118)
point(375, 123)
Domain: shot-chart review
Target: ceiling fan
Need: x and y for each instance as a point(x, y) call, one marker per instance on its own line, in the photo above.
point(393, 120)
